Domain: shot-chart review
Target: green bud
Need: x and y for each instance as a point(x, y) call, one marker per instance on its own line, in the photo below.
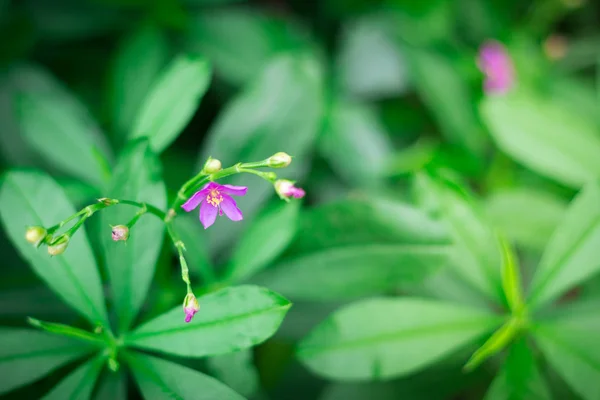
point(211, 166)
point(120, 232)
point(59, 246)
point(279, 160)
point(35, 234)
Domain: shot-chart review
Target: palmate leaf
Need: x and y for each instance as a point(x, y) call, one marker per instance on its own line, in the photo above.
point(27, 355)
point(383, 244)
point(78, 385)
point(30, 198)
point(230, 319)
point(236, 370)
point(131, 265)
point(384, 338)
point(159, 379)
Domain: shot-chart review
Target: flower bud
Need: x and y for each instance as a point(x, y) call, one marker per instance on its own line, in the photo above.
point(35, 234)
point(120, 232)
point(59, 246)
point(211, 166)
point(286, 189)
point(108, 202)
point(190, 306)
point(279, 160)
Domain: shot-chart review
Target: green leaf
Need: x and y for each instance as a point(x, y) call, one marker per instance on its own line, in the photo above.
point(67, 330)
point(496, 343)
point(78, 385)
point(385, 338)
point(237, 371)
point(137, 64)
point(264, 240)
point(59, 127)
point(241, 42)
point(526, 216)
point(519, 378)
point(131, 265)
point(281, 110)
point(112, 386)
point(231, 319)
point(355, 142)
point(172, 101)
point(511, 278)
point(32, 198)
point(26, 355)
point(382, 245)
point(160, 379)
point(571, 254)
point(370, 64)
point(567, 339)
point(476, 258)
point(443, 88)
point(543, 136)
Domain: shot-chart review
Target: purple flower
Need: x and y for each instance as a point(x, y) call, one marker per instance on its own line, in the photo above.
point(190, 306)
point(286, 189)
point(494, 61)
point(215, 198)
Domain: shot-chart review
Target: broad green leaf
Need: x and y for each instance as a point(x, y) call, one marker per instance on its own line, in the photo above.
point(476, 258)
point(519, 378)
point(443, 88)
point(526, 216)
point(264, 240)
point(543, 136)
point(131, 265)
point(27, 355)
point(355, 142)
point(237, 371)
point(568, 341)
point(423, 22)
point(78, 385)
point(231, 319)
point(511, 277)
point(496, 343)
point(241, 42)
point(33, 198)
point(358, 247)
point(137, 64)
point(159, 379)
point(67, 330)
point(172, 101)
point(571, 255)
point(192, 233)
point(112, 386)
point(385, 338)
point(59, 127)
point(281, 110)
point(370, 64)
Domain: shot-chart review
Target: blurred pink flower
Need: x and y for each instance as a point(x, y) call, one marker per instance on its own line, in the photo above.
point(215, 198)
point(494, 61)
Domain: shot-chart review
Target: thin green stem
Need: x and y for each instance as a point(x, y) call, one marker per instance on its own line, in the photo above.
point(137, 216)
point(207, 273)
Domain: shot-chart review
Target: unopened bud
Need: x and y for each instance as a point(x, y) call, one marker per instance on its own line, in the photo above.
point(211, 166)
point(59, 246)
point(35, 234)
point(279, 160)
point(286, 189)
point(190, 306)
point(108, 202)
point(120, 232)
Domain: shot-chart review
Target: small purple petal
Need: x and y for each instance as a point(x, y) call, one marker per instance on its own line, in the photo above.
point(230, 208)
point(208, 214)
point(297, 193)
point(189, 313)
point(193, 201)
point(234, 190)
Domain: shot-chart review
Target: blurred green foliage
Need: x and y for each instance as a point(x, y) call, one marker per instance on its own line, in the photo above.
point(444, 227)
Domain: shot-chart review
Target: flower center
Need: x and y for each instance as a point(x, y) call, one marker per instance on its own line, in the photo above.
point(214, 198)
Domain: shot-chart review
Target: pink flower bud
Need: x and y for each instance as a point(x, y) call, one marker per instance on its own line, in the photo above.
point(120, 232)
point(190, 306)
point(286, 189)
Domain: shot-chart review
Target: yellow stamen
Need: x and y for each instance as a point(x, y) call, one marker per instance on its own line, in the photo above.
point(214, 198)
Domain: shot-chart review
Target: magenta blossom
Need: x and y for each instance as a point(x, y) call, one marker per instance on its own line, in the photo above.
point(215, 198)
point(190, 306)
point(494, 61)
